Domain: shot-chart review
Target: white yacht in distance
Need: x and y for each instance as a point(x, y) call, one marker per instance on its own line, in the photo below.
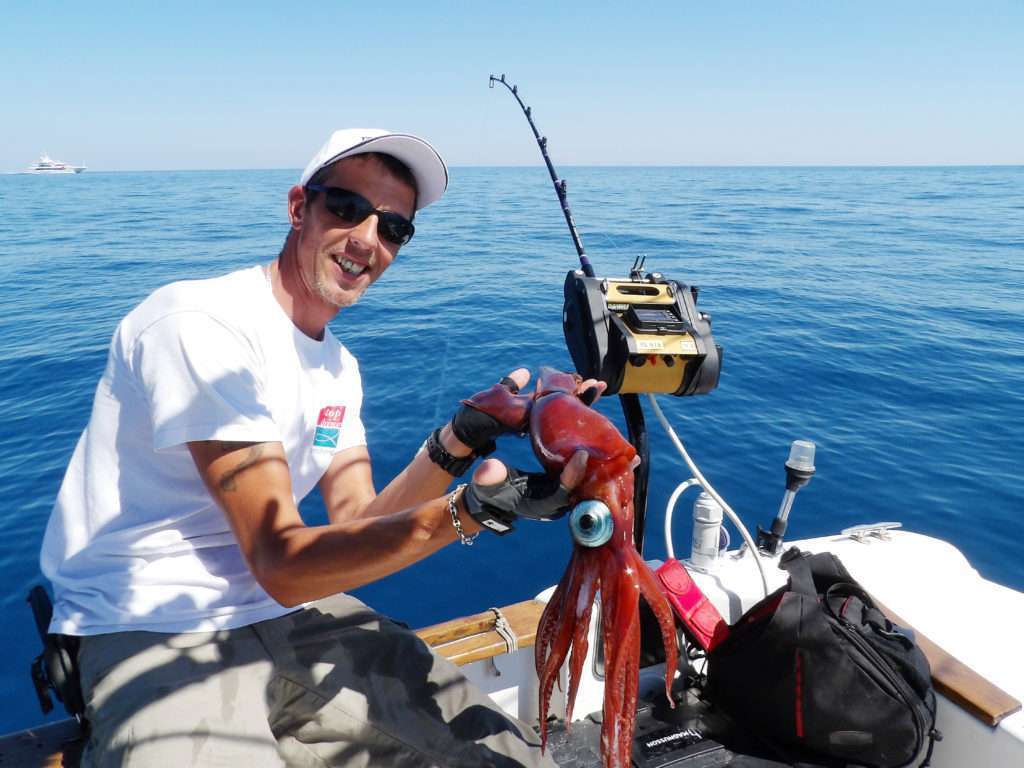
point(47, 165)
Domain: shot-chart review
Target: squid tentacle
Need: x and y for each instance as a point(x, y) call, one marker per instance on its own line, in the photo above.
point(623, 621)
point(548, 676)
point(560, 641)
point(631, 682)
point(659, 606)
point(552, 616)
point(580, 644)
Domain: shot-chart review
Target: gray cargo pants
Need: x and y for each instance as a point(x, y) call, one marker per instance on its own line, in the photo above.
point(334, 684)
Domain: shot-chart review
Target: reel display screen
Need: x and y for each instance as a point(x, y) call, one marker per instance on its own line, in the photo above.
point(654, 319)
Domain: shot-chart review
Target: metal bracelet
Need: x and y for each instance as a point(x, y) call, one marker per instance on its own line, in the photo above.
point(453, 510)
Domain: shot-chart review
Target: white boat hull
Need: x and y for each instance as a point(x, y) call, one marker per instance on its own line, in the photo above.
point(927, 582)
point(47, 166)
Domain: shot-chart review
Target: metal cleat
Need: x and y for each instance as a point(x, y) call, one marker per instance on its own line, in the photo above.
point(505, 631)
point(864, 533)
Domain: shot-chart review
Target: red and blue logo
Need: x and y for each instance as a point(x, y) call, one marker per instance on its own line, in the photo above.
point(328, 426)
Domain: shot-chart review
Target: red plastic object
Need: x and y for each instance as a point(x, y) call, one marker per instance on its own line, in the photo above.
point(701, 619)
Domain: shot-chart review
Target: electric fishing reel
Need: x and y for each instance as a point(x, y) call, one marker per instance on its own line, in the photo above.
point(640, 334)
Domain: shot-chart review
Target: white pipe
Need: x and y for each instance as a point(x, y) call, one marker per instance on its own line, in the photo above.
point(710, 491)
point(670, 508)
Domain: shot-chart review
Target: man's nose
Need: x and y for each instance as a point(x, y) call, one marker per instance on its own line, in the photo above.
point(365, 232)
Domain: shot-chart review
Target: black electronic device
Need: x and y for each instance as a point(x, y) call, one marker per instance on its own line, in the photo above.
point(640, 334)
point(55, 670)
point(692, 735)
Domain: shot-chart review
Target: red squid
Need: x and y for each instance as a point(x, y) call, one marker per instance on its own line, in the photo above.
point(560, 424)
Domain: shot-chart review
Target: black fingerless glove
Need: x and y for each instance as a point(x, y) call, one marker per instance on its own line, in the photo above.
point(522, 494)
point(479, 430)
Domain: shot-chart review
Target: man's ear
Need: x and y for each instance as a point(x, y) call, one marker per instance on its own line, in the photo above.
point(296, 206)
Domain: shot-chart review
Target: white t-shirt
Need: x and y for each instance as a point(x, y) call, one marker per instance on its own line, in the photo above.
point(135, 541)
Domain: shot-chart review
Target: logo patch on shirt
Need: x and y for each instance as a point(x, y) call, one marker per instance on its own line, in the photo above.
point(328, 426)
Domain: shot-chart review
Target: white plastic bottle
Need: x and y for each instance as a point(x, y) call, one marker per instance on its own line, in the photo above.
point(707, 532)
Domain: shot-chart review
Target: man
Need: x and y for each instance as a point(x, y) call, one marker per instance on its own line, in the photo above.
point(212, 621)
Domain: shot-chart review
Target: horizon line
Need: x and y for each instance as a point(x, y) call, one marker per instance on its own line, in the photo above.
point(562, 165)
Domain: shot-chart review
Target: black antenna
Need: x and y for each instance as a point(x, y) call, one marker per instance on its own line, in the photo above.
point(542, 142)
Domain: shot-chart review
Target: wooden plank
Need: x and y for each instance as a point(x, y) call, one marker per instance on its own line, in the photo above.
point(474, 638)
point(959, 683)
point(446, 632)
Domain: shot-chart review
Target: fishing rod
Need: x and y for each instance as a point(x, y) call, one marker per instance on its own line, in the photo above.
point(542, 142)
point(631, 408)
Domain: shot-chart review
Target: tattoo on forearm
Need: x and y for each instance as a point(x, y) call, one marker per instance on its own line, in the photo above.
point(227, 480)
point(227, 446)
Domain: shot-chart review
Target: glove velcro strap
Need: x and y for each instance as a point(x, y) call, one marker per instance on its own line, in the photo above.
point(453, 465)
point(534, 495)
point(486, 511)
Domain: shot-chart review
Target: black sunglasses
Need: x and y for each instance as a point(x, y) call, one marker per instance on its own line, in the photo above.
point(352, 208)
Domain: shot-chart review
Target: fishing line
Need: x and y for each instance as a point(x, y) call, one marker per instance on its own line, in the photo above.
point(439, 385)
point(484, 130)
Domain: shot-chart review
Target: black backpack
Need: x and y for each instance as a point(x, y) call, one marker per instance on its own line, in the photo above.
point(818, 671)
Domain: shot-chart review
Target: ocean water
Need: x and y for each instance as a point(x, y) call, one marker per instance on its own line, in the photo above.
point(876, 311)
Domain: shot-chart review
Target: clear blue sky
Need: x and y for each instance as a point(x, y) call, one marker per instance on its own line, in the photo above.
point(150, 85)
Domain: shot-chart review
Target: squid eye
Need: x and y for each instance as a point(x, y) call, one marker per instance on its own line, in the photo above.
point(591, 523)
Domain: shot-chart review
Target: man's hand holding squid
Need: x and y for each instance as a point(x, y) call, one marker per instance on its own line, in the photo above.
point(478, 430)
point(499, 495)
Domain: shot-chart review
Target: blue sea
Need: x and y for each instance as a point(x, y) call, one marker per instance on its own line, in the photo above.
point(876, 311)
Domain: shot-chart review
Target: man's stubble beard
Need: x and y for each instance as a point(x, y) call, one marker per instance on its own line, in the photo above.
point(329, 292)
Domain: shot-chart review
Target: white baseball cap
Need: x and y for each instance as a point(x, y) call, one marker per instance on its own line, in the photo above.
point(423, 160)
